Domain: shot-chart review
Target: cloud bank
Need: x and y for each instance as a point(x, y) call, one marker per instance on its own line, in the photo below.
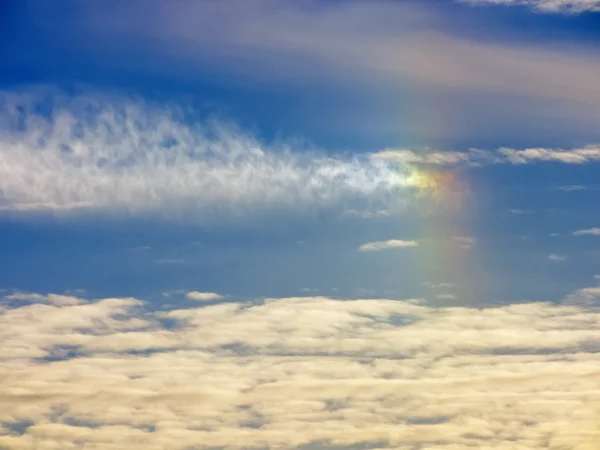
point(295, 372)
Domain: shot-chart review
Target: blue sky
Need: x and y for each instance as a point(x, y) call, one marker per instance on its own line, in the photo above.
point(266, 187)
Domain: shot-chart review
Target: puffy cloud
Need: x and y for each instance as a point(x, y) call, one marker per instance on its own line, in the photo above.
point(562, 6)
point(587, 232)
point(203, 296)
point(292, 372)
point(382, 245)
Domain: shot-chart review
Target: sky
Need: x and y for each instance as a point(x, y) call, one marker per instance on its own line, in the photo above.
point(304, 225)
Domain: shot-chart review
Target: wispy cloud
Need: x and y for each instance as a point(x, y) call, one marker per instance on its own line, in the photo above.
point(520, 211)
point(203, 296)
point(141, 248)
point(553, 6)
point(503, 155)
point(171, 261)
point(281, 373)
point(556, 258)
point(94, 154)
point(571, 188)
point(465, 242)
point(587, 232)
point(383, 245)
point(406, 43)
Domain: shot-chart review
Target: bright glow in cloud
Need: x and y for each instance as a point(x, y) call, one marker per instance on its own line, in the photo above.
point(100, 155)
point(203, 296)
point(563, 6)
point(295, 372)
point(382, 245)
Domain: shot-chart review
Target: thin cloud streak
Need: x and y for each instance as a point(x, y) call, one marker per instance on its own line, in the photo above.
point(503, 155)
point(377, 246)
point(549, 6)
point(587, 232)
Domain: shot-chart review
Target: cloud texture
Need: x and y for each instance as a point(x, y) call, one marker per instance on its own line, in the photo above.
point(95, 154)
point(294, 372)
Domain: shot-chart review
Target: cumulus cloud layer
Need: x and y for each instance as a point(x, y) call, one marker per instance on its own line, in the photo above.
point(295, 372)
point(566, 6)
point(88, 153)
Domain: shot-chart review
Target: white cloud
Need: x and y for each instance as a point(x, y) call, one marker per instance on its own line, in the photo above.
point(556, 258)
point(446, 296)
point(572, 187)
point(114, 156)
point(589, 231)
point(465, 242)
point(520, 211)
point(203, 296)
point(503, 155)
point(555, 6)
point(292, 372)
point(382, 245)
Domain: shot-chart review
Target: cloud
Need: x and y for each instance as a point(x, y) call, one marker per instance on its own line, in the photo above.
point(553, 6)
point(465, 242)
point(115, 156)
point(203, 296)
point(382, 245)
point(446, 296)
point(589, 231)
point(171, 261)
point(296, 372)
point(520, 211)
point(403, 43)
point(141, 248)
point(556, 258)
point(503, 155)
point(572, 187)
